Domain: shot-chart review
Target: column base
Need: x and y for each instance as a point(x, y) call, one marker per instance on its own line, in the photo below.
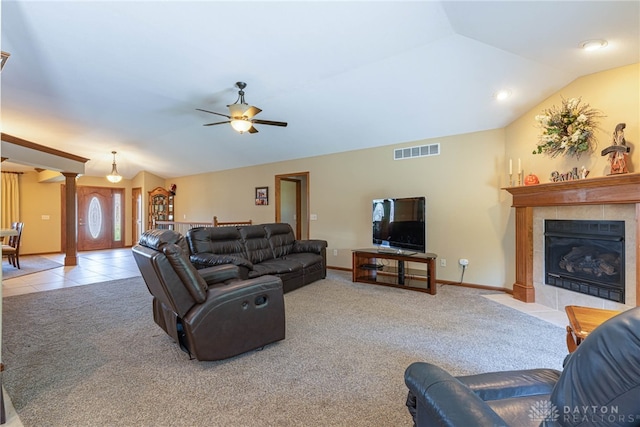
point(524, 293)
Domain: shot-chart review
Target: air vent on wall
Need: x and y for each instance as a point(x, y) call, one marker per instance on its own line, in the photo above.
point(420, 151)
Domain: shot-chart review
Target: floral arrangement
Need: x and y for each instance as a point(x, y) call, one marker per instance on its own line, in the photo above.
point(568, 130)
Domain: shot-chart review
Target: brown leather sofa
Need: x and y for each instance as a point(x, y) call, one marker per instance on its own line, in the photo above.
point(211, 313)
point(258, 250)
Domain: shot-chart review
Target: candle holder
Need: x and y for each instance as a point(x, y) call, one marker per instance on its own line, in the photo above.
point(510, 180)
point(519, 178)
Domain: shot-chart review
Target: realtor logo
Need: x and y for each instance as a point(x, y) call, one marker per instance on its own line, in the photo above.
point(544, 410)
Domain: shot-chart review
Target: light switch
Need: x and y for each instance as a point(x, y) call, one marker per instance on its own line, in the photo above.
point(313, 217)
point(45, 217)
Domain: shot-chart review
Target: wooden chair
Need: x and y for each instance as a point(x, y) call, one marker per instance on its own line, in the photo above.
point(12, 249)
point(217, 223)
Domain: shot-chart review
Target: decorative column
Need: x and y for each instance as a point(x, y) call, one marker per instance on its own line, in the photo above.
point(71, 219)
point(523, 289)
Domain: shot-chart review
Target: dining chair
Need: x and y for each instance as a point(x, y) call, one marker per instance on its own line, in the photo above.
point(12, 249)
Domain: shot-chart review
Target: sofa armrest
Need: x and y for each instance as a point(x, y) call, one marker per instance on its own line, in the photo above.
point(443, 400)
point(204, 260)
point(219, 273)
point(508, 384)
point(313, 246)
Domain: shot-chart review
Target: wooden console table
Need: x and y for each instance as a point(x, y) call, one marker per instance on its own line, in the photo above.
point(582, 321)
point(367, 269)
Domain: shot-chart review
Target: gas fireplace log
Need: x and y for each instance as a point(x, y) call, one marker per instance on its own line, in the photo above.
point(587, 260)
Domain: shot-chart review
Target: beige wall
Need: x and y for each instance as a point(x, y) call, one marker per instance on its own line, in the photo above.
point(37, 201)
point(468, 214)
point(616, 93)
point(461, 186)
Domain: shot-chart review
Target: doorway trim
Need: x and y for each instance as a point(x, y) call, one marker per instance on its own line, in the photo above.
point(303, 179)
point(136, 218)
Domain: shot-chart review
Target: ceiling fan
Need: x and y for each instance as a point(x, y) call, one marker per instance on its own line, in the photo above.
point(241, 114)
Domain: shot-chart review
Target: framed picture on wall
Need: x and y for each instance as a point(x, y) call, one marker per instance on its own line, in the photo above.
point(262, 195)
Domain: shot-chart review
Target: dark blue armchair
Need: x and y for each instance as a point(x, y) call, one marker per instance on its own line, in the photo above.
point(599, 386)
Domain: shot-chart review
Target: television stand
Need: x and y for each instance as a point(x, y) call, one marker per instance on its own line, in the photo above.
point(394, 251)
point(393, 272)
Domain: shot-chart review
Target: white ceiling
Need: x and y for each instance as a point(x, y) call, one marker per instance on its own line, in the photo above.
point(89, 77)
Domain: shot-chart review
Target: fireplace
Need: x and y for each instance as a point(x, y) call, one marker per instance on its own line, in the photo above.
point(586, 257)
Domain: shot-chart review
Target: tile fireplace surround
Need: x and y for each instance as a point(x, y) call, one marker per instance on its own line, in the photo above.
point(615, 197)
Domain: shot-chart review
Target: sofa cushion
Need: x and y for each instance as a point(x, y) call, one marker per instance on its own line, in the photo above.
point(188, 274)
point(216, 240)
point(281, 238)
point(305, 259)
point(310, 245)
point(276, 266)
point(256, 244)
point(156, 238)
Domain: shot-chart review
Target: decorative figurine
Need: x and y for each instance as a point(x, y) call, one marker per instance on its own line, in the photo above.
point(618, 151)
point(583, 172)
point(572, 175)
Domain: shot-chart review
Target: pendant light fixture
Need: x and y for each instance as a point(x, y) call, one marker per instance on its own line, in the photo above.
point(114, 176)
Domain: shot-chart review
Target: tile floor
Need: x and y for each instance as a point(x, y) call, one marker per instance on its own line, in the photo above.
point(93, 267)
point(101, 266)
point(540, 311)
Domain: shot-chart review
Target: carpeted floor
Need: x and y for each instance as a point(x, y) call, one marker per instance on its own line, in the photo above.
point(92, 356)
point(28, 265)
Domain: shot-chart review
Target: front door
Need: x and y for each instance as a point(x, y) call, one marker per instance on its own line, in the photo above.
point(100, 212)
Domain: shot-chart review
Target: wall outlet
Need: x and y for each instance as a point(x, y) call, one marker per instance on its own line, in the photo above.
point(335, 252)
point(443, 262)
point(464, 262)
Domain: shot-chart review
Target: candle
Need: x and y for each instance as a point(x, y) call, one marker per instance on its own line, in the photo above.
point(519, 166)
point(510, 166)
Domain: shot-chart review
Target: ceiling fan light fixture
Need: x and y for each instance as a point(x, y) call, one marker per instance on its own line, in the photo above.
point(241, 125)
point(114, 176)
point(241, 115)
point(237, 110)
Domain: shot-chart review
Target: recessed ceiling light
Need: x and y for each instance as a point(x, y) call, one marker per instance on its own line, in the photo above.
point(593, 44)
point(502, 94)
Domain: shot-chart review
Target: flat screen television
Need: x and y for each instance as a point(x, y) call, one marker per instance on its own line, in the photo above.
point(399, 224)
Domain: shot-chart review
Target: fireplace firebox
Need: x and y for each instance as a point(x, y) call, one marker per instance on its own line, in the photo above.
point(586, 257)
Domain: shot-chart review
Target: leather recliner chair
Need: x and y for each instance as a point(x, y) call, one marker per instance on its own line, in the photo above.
point(599, 385)
point(211, 313)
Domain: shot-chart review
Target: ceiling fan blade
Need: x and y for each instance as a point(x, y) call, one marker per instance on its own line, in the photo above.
point(269, 122)
point(213, 112)
point(216, 123)
point(251, 111)
point(252, 129)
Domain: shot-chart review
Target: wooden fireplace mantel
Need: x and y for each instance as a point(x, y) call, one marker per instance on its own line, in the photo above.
point(613, 189)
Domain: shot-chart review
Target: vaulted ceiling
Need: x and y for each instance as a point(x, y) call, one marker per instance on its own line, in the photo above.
point(96, 76)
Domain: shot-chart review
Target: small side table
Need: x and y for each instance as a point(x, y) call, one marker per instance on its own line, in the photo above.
point(582, 321)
